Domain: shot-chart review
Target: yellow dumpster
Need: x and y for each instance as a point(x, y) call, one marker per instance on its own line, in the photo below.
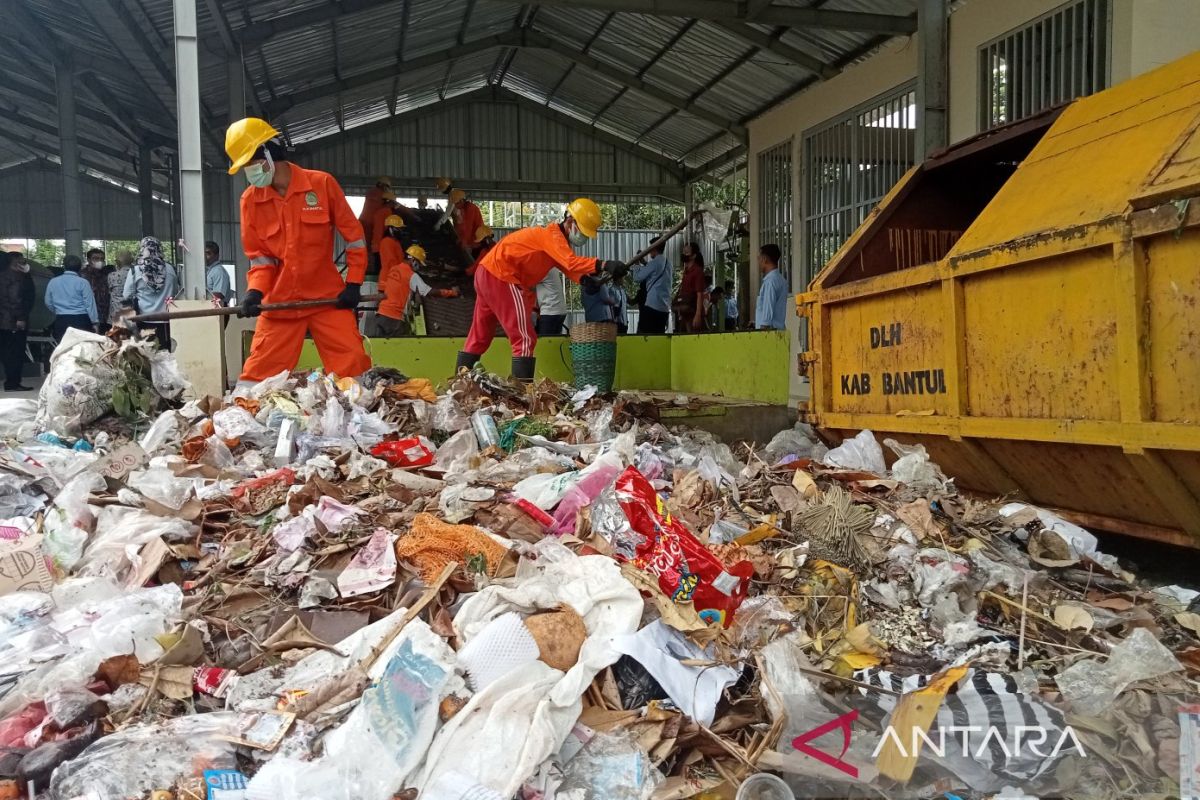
point(1027, 306)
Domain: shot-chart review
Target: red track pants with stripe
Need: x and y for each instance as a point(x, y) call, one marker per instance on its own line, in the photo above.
point(506, 303)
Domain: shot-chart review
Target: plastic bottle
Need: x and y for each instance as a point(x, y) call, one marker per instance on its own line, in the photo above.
point(765, 786)
point(485, 430)
point(596, 478)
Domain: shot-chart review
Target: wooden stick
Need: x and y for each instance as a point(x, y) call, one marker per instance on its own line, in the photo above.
point(229, 311)
point(409, 616)
point(1024, 608)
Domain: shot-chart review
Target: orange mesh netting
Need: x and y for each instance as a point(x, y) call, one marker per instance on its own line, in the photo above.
point(432, 544)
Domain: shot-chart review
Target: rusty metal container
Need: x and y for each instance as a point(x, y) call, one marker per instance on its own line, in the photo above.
point(1027, 306)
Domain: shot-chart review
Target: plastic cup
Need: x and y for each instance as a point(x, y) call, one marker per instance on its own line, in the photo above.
point(765, 786)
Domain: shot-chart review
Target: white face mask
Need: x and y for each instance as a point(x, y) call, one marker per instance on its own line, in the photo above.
point(21, 266)
point(96, 263)
point(576, 237)
point(260, 175)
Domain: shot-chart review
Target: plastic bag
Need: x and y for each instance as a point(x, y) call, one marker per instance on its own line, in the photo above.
point(861, 453)
point(69, 522)
point(913, 466)
point(17, 419)
point(121, 532)
point(139, 759)
point(593, 479)
point(1081, 542)
point(936, 572)
point(1090, 686)
point(16, 499)
point(416, 451)
point(609, 767)
point(236, 422)
point(165, 429)
point(168, 381)
point(448, 415)
point(79, 388)
point(686, 570)
point(455, 453)
point(545, 490)
point(68, 707)
point(163, 486)
point(797, 441)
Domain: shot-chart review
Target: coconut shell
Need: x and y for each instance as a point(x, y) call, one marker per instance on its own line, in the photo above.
point(559, 635)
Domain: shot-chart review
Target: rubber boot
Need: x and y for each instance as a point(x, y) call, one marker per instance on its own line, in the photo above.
point(467, 360)
point(522, 368)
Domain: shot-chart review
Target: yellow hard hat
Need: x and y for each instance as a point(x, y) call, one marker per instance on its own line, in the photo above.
point(481, 233)
point(385, 180)
point(417, 252)
point(443, 185)
point(244, 137)
point(394, 221)
point(457, 195)
point(389, 195)
point(586, 214)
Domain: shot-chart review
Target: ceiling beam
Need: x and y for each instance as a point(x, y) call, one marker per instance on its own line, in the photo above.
point(25, 120)
point(255, 34)
point(789, 16)
point(668, 191)
point(772, 44)
point(233, 50)
point(52, 154)
point(718, 163)
point(466, 23)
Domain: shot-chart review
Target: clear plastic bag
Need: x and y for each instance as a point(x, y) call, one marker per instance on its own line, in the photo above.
point(860, 453)
point(17, 497)
point(17, 417)
point(69, 522)
point(609, 767)
point(1090, 686)
point(163, 432)
point(122, 531)
point(913, 466)
point(166, 377)
point(797, 441)
point(162, 486)
point(448, 416)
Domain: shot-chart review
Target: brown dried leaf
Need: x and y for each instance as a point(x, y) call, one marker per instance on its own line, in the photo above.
point(1189, 620)
point(1073, 618)
point(917, 516)
point(174, 683)
point(119, 670)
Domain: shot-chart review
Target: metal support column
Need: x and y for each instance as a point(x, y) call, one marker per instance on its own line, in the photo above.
point(237, 184)
point(64, 79)
point(191, 165)
point(933, 78)
point(146, 186)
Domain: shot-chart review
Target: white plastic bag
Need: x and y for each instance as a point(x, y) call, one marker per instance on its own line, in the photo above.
point(913, 466)
point(166, 377)
point(80, 385)
point(162, 486)
point(69, 522)
point(120, 534)
point(17, 419)
point(860, 453)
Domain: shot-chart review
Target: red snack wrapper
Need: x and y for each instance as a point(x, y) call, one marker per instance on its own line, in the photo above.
point(215, 681)
point(687, 571)
point(539, 516)
point(411, 452)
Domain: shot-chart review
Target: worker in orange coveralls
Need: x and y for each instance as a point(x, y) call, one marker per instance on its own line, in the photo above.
point(289, 215)
point(507, 274)
point(398, 279)
point(373, 201)
point(467, 218)
point(485, 239)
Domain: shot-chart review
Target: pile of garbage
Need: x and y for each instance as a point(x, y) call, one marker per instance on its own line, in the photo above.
point(324, 588)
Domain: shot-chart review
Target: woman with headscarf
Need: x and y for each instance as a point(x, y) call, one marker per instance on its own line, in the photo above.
point(150, 285)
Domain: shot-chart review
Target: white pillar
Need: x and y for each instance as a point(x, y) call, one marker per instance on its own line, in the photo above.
point(191, 165)
point(64, 79)
point(237, 184)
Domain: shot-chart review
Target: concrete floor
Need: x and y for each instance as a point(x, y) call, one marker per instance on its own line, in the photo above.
point(34, 383)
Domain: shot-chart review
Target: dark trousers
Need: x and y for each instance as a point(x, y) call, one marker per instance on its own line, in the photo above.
point(622, 329)
point(550, 324)
point(12, 355)
point(651, 320)
point(64, 321)
point(388, 327)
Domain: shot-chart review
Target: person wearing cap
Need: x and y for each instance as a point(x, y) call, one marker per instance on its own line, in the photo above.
point(373, 201)
point(485, 240)
point(444, 185)
point(507, 274)
point(398, 280)
point(289, 215)
point(467, 218)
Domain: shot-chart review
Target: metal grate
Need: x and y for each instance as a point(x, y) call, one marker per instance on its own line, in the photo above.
point(850, 163)
point(1055, 58)
point(775, 199)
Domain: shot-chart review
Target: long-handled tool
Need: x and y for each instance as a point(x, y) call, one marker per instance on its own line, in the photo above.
point(230, 311)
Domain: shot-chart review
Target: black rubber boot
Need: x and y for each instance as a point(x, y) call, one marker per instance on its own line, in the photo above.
point(467, 360)
point(522, 368)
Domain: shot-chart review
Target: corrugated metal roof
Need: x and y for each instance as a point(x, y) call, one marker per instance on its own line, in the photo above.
point(290, 45)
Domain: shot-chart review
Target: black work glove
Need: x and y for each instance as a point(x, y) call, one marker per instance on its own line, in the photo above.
point(350, 296)
point(251, 304)
point(617, 269)
point(590, 284)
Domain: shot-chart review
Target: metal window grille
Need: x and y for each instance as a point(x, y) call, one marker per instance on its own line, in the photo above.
point(775, 199)
point(850, 163)
point(1055, 58)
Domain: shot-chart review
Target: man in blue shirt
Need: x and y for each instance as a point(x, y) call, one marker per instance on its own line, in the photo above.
point(654, 293)
point(69, 296)
point(216, 279)
point(598, 303)
point(770, 313)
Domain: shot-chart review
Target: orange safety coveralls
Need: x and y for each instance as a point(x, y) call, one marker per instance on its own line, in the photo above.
point(378, 229)
point(395, 279)
point(372, 203)
point(468, 220)
point(289, 241)
point(505, 280)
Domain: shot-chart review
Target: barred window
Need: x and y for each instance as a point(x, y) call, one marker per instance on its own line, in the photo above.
point(850, 163)
point(775, 199)
point(1055, 58)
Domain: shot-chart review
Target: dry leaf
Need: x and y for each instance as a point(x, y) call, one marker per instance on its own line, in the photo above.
point(859, 637)
point(804, 484)
point(1114, 604)
point(119, 670)
point(917, 516)
point(1073, 618)
point(1050, 550)
point(681, 617)
point(1189, 620)
point(174, 683)
point(915, 710)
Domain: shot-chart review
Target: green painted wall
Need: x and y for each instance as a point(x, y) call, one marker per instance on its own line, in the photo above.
point(747, 366)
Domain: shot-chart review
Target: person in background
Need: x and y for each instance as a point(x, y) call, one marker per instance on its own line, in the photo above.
point(399, 278)
point(371, 204)
point(599, 305)
point(731, 309)
point(70, 298)
point(467, 218)
point(116, 285)
point(150, 285)
point(422, 202)
point(716, 308)
point(770, 313)
point(387, 208)
point(485, 239)
point(216, 279)
point(96, 274)
point(654, 292)
point(621, 306)
point(551, 303)
point(16, 301)
point(689, 302)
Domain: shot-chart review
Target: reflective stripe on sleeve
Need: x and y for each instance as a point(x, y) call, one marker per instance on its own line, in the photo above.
point(264, 261)
point(357, 244)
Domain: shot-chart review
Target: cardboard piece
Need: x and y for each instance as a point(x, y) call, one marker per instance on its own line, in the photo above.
point(23, 566)
point(120, 462)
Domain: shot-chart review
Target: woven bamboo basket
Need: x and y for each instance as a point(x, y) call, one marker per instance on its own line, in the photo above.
point(594, 354)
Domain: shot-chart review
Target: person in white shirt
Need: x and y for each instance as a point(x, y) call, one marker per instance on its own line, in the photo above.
point(552, 304)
